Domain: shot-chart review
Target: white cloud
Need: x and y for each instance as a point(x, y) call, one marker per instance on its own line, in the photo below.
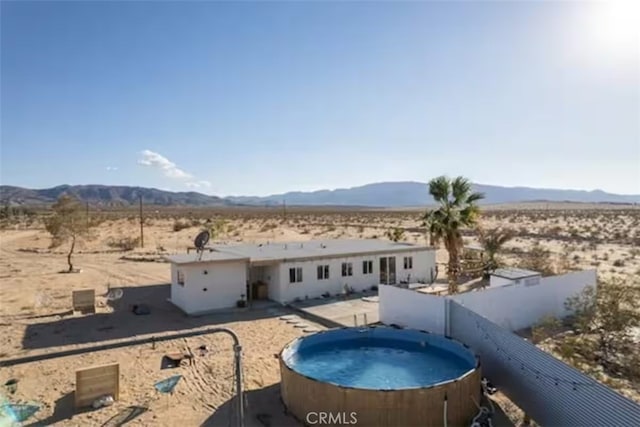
point(198, 184)
point(168, 168)
point(111, 168)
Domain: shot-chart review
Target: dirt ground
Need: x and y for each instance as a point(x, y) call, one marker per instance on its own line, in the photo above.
point(35, 299)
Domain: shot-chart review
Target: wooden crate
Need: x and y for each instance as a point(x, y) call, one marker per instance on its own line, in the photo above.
point(84, 300)
point(97, 381)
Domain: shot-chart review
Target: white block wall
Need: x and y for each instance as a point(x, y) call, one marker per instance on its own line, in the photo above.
point(519, 306)
point(224, 282)
point(512, 307)
point(411, 309)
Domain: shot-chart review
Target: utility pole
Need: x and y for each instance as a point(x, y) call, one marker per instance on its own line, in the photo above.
point(87, 214)
point(141, 225)
point(284, 209)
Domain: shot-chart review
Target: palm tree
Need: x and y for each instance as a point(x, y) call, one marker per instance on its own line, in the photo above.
point(492, 241)
point(458, 209)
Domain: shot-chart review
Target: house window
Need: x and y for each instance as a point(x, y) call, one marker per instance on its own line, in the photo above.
point(367, 267)
point(295, 275)
point(323, 272)
point(347, 269)
point(180, 278)
point(408, 263)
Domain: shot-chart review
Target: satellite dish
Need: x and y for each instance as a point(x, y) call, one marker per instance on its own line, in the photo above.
point(200, 242)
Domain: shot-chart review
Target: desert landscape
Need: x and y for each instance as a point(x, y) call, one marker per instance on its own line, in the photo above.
point(36, 298)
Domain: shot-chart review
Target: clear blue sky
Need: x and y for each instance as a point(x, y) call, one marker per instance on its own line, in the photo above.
point(261, 98)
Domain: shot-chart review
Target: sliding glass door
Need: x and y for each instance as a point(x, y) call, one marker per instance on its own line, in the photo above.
point(388, 270)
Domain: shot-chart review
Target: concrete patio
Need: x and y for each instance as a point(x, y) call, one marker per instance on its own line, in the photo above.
point(342, 311)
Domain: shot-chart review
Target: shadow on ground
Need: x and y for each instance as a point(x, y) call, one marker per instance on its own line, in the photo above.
point(64, 409)
point(122, 323)
point(263, 408)
point(126, 415)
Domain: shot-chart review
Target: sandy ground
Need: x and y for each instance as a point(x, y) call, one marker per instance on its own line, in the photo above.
point(35, 299)
point(35, 303)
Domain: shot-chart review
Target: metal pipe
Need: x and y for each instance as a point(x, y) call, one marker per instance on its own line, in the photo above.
point(445, 410)
point(237, 356)
point(237, 350)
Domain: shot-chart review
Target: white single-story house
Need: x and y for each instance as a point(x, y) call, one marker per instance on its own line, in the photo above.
point(512, 276)
point(284, 272)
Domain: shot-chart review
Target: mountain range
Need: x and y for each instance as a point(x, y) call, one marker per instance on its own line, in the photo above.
point(383, 194)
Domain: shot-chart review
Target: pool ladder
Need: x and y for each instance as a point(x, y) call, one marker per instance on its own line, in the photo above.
point(364, 317)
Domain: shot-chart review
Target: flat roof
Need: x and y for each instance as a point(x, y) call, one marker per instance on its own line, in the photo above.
point(208, 256)
point(514, 273)
point(272, 251)
point(281, 251)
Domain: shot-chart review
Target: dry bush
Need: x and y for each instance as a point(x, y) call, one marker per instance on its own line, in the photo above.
point(124, 243)
point(604, 321)
point(181, 225)
point(537, 259)
point(547, 327)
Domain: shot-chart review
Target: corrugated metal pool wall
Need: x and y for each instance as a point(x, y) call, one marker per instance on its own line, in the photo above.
point(548, 390)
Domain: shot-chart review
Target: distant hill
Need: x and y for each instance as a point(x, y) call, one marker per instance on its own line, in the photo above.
point(384, 194)
point(107, 195)
point(398, 194)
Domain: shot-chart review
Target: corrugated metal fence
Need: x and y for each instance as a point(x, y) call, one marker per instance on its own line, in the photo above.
point(550, 391)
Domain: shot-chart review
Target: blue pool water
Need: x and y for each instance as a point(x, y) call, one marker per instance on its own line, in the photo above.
point(379, 358)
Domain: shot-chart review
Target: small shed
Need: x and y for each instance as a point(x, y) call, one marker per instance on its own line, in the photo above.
point(514, 276)
point(210, 281)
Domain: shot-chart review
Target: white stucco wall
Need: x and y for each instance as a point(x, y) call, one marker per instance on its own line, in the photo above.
point(312, 287)
point(519, 306)
point(411, 309)
point(512, 307)
point(224, 282)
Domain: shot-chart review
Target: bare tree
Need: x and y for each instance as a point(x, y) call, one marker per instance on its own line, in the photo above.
point(68, 223)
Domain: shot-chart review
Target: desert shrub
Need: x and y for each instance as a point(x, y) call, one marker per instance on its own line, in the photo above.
point(180, 225)
point(124, 243)
point(537, 259)
point(395, 234)
point(268, 226)
point(605, 320)
point(618, 263)
point(547, 327)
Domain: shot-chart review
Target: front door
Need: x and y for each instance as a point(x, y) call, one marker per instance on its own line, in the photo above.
point(388, 270)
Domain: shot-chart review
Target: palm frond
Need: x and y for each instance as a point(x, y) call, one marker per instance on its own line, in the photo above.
point(440, 188)
point(460, 190)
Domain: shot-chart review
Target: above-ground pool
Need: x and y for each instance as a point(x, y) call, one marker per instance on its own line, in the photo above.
point(380, 376)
